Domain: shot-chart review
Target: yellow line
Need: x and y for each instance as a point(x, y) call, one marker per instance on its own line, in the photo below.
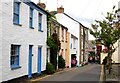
point(101, 75)
point(55, 73)
point(51, 75)
point(40, 78)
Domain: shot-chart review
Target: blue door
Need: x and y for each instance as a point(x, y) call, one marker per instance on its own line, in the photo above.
point(39, 59)
point(30, 62)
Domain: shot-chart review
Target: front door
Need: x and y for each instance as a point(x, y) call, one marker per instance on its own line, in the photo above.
point(39, 59)
point(30, 62)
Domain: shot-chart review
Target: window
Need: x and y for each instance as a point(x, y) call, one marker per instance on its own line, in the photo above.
point(62, 34)
point(40, 21)
point(16, 12)
point(31, 18)
point(14, 62)
point(66, 35)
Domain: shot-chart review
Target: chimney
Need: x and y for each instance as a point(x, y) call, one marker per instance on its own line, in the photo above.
point(60, 10)
point(42, 5)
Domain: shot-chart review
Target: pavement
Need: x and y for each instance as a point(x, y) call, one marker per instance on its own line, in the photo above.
point(116, 72)
point(87, 73)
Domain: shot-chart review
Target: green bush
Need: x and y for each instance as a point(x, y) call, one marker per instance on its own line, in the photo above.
point(61, 62)
point(50, 68)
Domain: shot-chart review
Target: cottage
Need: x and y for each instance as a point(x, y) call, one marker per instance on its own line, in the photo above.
point(74, 30)
point(23, 39)
point(61, 30)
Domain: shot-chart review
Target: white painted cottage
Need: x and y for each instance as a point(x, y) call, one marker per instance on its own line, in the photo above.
point(23, 34)
point(74, 30)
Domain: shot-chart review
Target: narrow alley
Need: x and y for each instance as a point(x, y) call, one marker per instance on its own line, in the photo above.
point(87, 73)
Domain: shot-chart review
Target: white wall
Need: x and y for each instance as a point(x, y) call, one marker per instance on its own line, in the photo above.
point(115, 55)
point(73, 28)
point(24, 36)
point(0, 41)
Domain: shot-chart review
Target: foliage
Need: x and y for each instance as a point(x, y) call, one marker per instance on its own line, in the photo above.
point(61, 62)
point(92, 53)
point(50, 68)
point(52, 41)
point(51, 15)
point(107, 32)
point(93, 47)
point(50, 18)
point(93, 42)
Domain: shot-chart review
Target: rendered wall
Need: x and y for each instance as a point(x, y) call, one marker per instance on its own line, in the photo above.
point(23, 36)
point(0, 41)
point(73, 28)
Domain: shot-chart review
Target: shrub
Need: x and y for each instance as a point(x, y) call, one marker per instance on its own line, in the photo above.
point(61, 62)
point(50, 68)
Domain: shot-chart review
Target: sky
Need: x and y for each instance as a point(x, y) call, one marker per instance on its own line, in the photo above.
point(85, 11)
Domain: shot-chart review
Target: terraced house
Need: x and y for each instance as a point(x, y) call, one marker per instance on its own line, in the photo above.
point(77, 36)
point(23, 39)
point(61, 31)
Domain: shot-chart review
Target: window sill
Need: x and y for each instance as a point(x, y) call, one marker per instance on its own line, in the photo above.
point(13, 68)
point(32, 27)
point(40, 30)
point(17, 24)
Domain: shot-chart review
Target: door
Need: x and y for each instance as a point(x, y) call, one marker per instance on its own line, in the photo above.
point(39, 59)
point(30, 62)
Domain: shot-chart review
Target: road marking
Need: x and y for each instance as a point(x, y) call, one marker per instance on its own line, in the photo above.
point(101, 75)
point(40, 78)
point(51, 75)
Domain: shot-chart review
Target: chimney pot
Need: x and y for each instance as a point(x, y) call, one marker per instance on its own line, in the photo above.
point(42, 5)
point(60, 10)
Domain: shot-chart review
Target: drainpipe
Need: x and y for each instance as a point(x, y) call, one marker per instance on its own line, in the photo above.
point(70, 53)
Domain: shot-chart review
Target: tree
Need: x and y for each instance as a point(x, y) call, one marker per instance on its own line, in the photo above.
point(54, 43)
point(107, 32)
point(53, 40)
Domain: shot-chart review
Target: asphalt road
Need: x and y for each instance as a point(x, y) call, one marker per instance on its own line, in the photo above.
point(86, 73)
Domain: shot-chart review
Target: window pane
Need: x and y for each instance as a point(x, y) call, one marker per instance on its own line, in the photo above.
point(30, 22)
point(16, 12)
point(14, 60)
point(14, 47)
point(14, 51)
point(31, 17)
point(31, 12)
point(16, 6)
point(16, 18)
point(40, 18)
point(40, 21)
point(39, 26)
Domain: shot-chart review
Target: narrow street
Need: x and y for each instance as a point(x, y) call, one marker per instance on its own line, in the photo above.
point(90, 72)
